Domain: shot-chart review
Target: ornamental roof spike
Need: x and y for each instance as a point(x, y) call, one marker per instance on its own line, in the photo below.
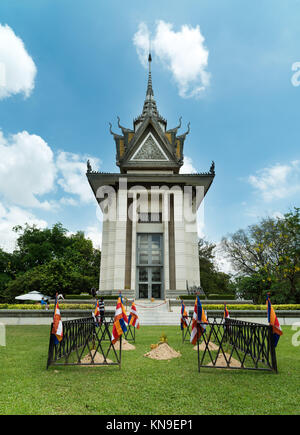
point(89, 167)
point(112, 133)
point(150, 108)
point(182, 136)
point(175, 128)
point(123, 128)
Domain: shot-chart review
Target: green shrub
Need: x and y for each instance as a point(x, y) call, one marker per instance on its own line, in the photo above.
point(224, 297)
point(85, 297)
point(216, 297)
point(64, 306)
point(78, 297)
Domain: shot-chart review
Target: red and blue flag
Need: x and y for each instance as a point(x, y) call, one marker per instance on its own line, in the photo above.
point(273, 321)
point(97, 309)
point(96, 313)
point(199, 322)
point(120, 321)
point(133, 318)
point(184, 317)
point(226, 312)
point(57, 328)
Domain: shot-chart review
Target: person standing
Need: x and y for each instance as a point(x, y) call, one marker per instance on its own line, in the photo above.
point(59, 296)
point(44, 303)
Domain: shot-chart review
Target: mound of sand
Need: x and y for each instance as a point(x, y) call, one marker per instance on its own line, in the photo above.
point(222, 362)
point(98, 358)
point(202, 346)
point(125, 345)
point(163, 352)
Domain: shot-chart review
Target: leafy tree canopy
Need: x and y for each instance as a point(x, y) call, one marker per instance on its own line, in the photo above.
point(49, 260)
point(212, 280)
point(266, 257)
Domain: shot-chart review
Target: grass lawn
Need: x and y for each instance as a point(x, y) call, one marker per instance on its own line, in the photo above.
point(142, 386)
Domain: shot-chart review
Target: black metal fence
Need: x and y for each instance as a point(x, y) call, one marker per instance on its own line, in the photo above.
point(235, 344)
point(83, 341)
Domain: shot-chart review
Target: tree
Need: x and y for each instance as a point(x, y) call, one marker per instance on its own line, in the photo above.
point(37, 246)
point(269, 254)
point(5, 271)
point(212, 280)
point(49, 260)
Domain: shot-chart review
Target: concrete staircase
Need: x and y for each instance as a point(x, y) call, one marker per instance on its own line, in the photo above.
point(157, 312)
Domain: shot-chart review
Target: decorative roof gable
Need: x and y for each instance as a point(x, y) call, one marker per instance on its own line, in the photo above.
point(149, 145)
point(149, 150)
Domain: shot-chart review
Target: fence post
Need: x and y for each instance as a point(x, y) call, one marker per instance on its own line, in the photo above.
point(50, 351)
point(272, 349)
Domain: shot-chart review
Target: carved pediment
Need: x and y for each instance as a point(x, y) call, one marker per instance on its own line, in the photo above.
point(149, 150)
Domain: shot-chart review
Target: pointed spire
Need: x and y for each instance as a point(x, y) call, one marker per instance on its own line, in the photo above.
point(149, 108)
point(149, 87)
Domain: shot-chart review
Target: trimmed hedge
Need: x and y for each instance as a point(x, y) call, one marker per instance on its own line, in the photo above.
point(213, 297)
point(206, 307)
point(78, 297)
point(62, 306)
point(86, 297)
point(251, 307)
point(221, 297)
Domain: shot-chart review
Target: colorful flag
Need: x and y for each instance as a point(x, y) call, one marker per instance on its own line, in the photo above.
point(133, 318)
point(199, 322)
point(226, 312)
point(120, 321)
point(184, 317)
point(57, 328)
point(273, 321)
point(97, 309)
point(96, 313)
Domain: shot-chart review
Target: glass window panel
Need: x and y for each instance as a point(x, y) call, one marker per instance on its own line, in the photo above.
point(143, 258)
point(143, 274)
point(156, 274)
point(156, 257)
point(155, 241)
point(143, 291)
point(156, 290)
point(143, 241)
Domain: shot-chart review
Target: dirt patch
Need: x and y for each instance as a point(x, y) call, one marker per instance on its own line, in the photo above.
point(163, 352)
point(222, 362)
point(98, 358)
point(125, 345)
point(211, 346)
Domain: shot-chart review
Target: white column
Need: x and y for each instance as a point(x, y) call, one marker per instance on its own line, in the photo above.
point(179, 241)
point(191, 254)
point(133, 247)
point(165, 219)
point(104, 253)
point(120, 241)
point(111, 253)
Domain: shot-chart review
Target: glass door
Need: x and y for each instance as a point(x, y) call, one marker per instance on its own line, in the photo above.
point(150, 266)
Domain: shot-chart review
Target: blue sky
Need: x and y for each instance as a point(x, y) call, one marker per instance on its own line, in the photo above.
point(82, 69)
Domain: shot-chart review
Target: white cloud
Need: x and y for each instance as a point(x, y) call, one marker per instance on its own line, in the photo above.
point(72, 178)
point(187, 167)
point(222, 262)
point(277, 182)
point(13, 216)
point(183, 53)
point(27, 169)
point(66, 200)
point(94, 234)
point(17, 69)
